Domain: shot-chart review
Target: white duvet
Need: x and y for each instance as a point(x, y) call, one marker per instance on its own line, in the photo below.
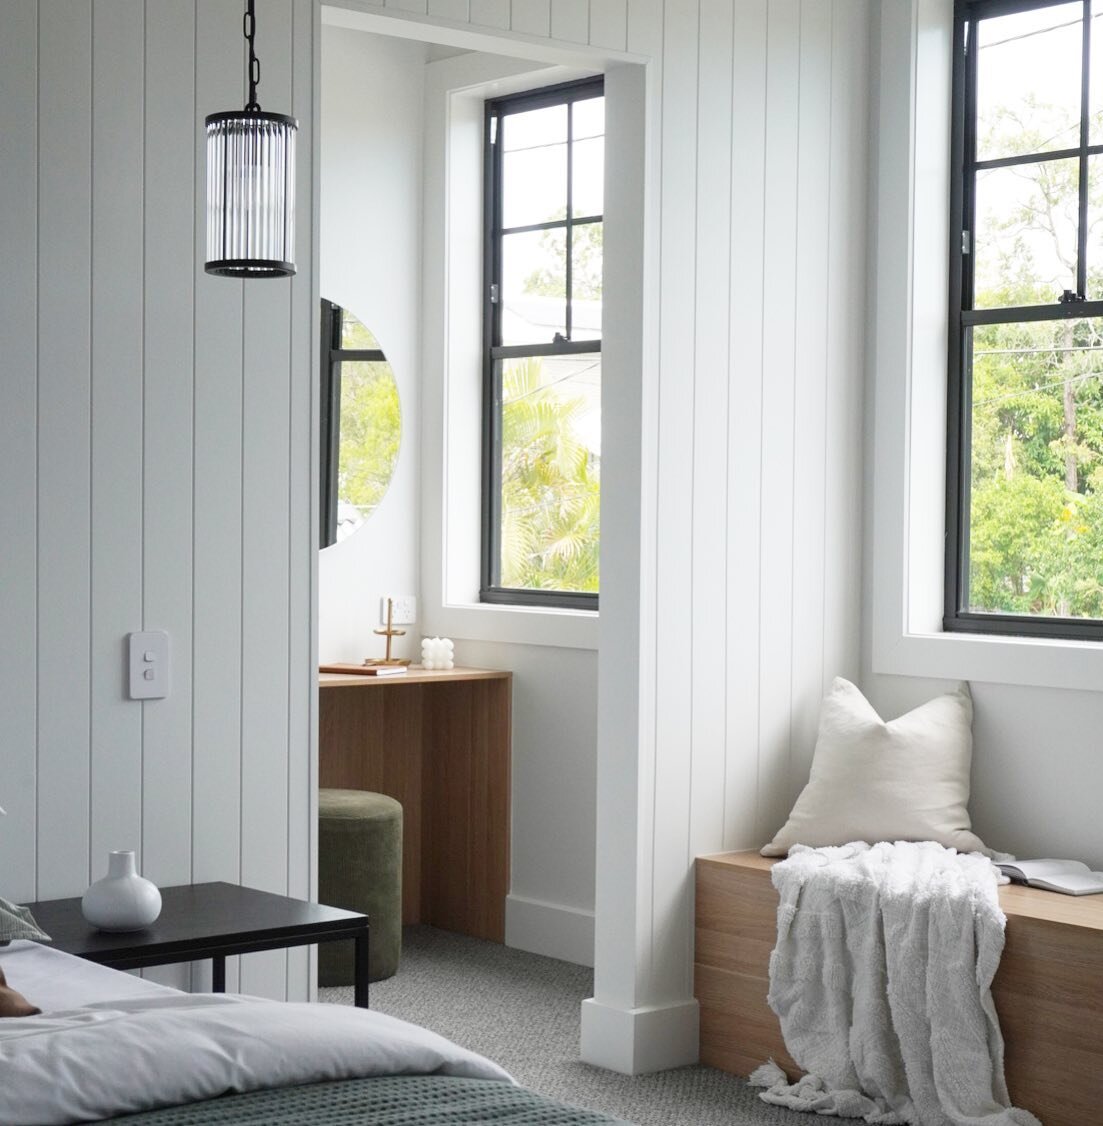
point(151, 1047)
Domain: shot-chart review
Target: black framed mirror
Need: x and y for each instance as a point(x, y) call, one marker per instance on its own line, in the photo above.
point(360, 425)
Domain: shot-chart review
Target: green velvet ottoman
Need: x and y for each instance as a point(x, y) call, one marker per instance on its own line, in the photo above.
point(360, 869)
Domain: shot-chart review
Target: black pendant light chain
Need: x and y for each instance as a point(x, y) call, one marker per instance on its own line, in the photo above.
point(249, 23)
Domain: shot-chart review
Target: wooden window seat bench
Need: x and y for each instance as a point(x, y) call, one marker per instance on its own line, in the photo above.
point(1048, 991)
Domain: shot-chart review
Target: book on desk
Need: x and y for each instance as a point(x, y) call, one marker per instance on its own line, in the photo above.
point(349, 669)
point(1069, 877)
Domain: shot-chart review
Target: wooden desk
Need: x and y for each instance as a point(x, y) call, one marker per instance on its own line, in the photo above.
point(438, 741)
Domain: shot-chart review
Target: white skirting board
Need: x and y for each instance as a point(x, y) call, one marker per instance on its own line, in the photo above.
point(640, 1041)
point(550, 929)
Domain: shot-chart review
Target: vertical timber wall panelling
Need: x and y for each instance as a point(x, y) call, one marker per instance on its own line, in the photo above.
point(794, 473)
point(712, 362)
point(758, 99)
point(489, 13)
point(570, 21)
point(118, 70)
point(155, 450)
point(168, 418)
point(64, 440)
point(810, 287)
point(674, 720)
point(608, 24)
point(532, 17)
point(752, 487)
point(779, 358)
point(458, 11)
point(779, 396)
point(217, 641)
point(265, 559)
point(846, 288)
point(744, 467)
point(18, 444)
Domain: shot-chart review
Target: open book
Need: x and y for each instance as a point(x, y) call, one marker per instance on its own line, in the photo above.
point(1070, 877)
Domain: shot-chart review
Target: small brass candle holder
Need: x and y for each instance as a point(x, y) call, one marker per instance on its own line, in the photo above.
point(389, 633)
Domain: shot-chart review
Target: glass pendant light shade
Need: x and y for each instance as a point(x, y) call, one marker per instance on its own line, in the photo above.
point(251, 194)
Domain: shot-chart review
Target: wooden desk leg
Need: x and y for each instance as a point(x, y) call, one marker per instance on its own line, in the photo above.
point(465, 868)
point(360, 978)
point(218, 974)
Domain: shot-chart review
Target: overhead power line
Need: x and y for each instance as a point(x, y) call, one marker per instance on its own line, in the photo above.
point(1082, 378)
point(1038, 31)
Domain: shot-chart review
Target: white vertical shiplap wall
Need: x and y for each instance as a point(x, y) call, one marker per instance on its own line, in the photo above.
point(762, 166)
point(758, 476)
point(62, 325)
point(118, 68)
point(19, 445)
point(155, 444)
point(752, 592)
point(751, 456)
point(763, 253)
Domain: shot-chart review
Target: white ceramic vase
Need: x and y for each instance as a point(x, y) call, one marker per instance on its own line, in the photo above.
point(122, 900)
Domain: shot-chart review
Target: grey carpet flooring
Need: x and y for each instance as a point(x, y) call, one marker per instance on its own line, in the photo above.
point(522, 1010)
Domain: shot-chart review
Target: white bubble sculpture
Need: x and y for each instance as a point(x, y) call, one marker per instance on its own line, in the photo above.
point(436, 653)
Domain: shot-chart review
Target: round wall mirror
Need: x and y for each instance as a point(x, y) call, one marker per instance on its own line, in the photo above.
point(361, 424)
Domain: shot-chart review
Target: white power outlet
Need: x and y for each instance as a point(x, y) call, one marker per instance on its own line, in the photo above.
point(405, 609)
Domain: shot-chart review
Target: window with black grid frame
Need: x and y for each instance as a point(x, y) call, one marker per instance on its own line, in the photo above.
point(544, 188)
point(1025, 439)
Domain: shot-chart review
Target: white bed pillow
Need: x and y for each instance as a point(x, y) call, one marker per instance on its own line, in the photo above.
point(905, 780)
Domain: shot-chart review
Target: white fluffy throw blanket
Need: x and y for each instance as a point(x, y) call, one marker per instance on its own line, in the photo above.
point(881, 978)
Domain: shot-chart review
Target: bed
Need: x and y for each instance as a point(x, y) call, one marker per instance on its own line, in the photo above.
point(111, 1046)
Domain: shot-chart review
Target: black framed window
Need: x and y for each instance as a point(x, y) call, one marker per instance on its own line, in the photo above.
point(1025, 449)
point(544, 186)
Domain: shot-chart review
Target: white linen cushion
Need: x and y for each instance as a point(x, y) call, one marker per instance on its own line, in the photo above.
point(905, 780)
point(18, 922)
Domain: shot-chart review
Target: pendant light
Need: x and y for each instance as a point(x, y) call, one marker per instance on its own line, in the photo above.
point(251, 184)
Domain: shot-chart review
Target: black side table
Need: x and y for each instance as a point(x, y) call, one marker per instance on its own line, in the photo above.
point(208, 921)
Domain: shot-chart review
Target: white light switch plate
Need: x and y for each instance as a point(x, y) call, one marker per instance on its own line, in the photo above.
point(150, 668)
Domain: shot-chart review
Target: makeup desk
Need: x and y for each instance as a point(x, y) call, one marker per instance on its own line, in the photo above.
point(438, 741)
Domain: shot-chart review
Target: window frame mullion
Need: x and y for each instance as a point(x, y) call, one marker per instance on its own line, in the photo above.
point(491, 514)
point(1085, 137)
point(1021, 314)
point(962, 193)
point(568, 281)
point(329, 437)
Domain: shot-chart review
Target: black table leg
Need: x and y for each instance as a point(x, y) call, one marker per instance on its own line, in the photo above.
point(218, 974)
point(360, 980)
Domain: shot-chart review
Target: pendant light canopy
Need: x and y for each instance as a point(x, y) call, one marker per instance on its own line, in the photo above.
point(251, 184)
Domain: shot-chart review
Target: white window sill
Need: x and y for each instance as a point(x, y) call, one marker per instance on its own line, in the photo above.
point(1040, 662)
point(519, 625)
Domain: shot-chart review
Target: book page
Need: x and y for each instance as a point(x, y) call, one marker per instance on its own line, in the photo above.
point(1040, 869)
point(1087, 883)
